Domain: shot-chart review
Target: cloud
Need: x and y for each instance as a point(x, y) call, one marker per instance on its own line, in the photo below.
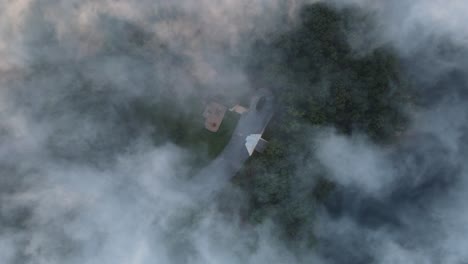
point(81, 180)
point(409, 24)
point(403, 202)
point(355, 162)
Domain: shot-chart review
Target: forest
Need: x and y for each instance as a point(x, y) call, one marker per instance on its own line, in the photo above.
point(319, 81)
point(126, 138)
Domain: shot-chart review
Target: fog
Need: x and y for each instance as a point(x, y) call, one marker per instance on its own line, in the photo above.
point(81, 180)
point(404, 202)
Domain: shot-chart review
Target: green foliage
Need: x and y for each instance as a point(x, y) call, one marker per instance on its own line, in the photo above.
point(186, 128)
point(318, 80)
point(322, 188)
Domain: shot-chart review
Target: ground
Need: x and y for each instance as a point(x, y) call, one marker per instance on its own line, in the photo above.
point(187, 129)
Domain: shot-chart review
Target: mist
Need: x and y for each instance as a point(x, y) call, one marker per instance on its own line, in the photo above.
point(404, 202)
point(82, 180)
point(85, 177)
